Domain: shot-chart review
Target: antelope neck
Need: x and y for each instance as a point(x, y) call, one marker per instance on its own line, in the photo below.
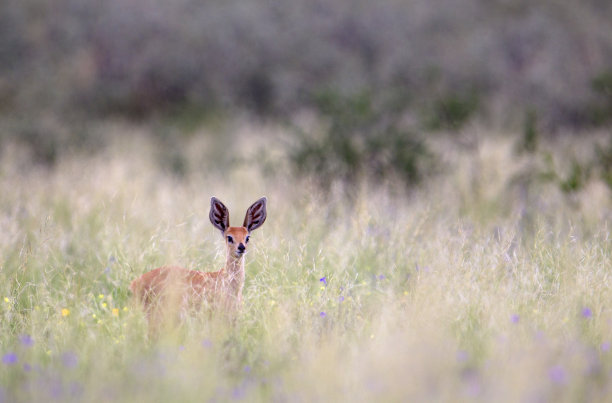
point(233, 265)
point(234, 272)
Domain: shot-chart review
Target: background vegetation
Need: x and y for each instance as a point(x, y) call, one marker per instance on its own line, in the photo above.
point(439, 61)
point(439, 177)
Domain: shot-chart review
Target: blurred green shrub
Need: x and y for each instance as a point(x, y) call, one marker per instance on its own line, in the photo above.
point(529, 140)
point(570, 175)
point(452, 111)
point(602, 86)
point(360, 141)
point(576, 178)
point(604, 162)
point(44, 144)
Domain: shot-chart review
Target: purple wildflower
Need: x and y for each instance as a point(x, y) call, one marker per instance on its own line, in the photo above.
point(514, 318)
point(322, 314)
point(76, 389)
point(206, 343)
point(381, 276)
point(238, 393)
point(557, 375)
point(26, 340)
point(9, 358)
point(341, 298)
point(473, 385)
point(605, 346)
point(323, 280)
point(70, 360)
point(55, 388)
point(587, 313)
point(27, 367)
point(247, 369)
point(462, 356)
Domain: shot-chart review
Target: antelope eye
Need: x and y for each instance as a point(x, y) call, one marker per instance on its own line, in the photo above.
point(247, 239)
point(230, 239)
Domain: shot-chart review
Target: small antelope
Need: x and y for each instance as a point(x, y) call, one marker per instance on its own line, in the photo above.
point(178, 287)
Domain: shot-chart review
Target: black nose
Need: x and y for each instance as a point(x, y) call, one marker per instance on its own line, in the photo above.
point(241, 247)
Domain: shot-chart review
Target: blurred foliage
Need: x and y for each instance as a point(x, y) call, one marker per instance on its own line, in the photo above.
point(142, 58)
point(570, 175)
point(604, 161)
point(452, 111)
point(529, 140)
point(602, 86)
point(410, 66)
point(575, 179)
point(360, 140)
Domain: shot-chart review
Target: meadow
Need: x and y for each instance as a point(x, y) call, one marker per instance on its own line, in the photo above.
point(487, 282)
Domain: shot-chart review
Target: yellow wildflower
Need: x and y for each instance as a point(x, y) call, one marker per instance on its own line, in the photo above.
point(100, 296)
point(115, 312)
point(65, 312)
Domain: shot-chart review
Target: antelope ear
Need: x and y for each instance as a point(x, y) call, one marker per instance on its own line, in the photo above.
point(255, 215)
point(219, 214)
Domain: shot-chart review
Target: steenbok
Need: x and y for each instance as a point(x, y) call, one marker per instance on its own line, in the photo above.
point(176, 288)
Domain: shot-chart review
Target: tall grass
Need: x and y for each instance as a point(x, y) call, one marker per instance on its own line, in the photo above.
point(475, 286)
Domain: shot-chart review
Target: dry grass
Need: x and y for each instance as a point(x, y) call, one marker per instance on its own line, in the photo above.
point(481, 285)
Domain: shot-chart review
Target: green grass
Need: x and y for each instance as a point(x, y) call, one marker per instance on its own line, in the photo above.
point(469, 288)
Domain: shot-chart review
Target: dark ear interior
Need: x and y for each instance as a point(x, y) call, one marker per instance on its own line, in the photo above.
point(255, 215)
point(219, 214)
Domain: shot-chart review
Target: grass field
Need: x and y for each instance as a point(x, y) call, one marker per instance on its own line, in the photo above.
point(486, 283)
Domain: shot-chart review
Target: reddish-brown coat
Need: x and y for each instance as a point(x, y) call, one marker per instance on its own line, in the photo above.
point(178, 287)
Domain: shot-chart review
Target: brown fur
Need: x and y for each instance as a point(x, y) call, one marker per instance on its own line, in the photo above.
point(171, 288)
